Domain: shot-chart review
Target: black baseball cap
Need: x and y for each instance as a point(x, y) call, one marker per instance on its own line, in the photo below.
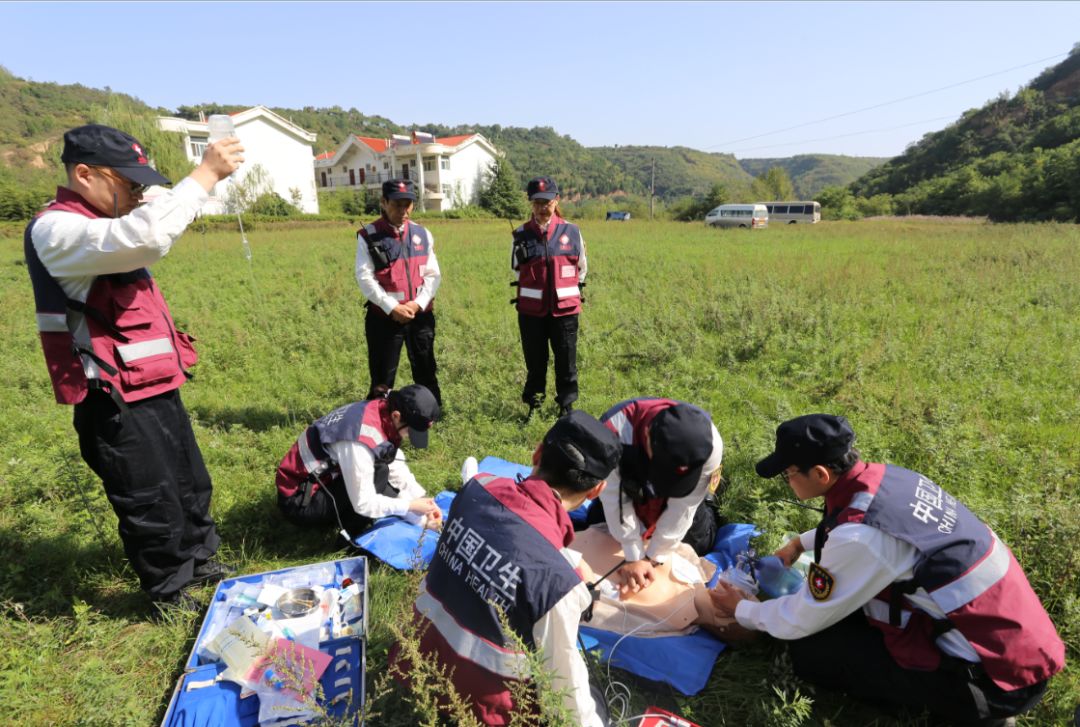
point(808, 440)
point(682, 441)
point(104, 146)
point(418, 409)
point(399, 189)
point(543, 188)
point(578, 442)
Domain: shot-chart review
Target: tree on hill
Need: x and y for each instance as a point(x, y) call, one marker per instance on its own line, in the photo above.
point(502, 196)
point(694, 209)
point(774, 184)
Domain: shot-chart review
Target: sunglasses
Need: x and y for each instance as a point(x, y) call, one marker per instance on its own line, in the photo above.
point(135, 187)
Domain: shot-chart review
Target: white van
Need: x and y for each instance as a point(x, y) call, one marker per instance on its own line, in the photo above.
point(750, 216)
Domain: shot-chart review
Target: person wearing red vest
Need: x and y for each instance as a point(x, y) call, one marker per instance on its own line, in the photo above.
point(347, 469)
point(113, 351)
point(399, 276)
point(662, 491)
point(505, 548)
point(548, 258)
point(911, 599)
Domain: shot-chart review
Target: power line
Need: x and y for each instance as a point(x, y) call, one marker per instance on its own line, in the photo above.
point(842, 136)
point(885, 103)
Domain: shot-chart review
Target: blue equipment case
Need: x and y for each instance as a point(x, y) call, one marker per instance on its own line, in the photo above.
point(198, 701)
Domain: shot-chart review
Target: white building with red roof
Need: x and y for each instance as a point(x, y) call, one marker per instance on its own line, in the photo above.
point(450, 170)
point(283, 151)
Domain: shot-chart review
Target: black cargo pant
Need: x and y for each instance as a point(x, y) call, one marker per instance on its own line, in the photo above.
point(851, 656)
point(330, 504)
point(537, 333)
point(156, 481)
point(384, 339)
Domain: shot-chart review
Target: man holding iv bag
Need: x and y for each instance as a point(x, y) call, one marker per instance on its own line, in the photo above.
point(113, 351)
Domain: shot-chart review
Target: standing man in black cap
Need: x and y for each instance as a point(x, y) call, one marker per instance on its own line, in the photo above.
point(548, 258)
point(503, 554)
point(911, 599)
point(669, 464)
point(113, 352)
point(399, 276)
point(347, 469)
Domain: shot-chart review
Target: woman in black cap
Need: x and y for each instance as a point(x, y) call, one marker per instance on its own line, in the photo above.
point(548, 256)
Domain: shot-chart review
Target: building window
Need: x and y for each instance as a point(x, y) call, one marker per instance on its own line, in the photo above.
point(323, 178)
point(363, 175)
point(444, 163)
point(344, 169)
point(198, 148)
point(352, 177)
point(446, 190)
point(386, 165)
point(429, 165)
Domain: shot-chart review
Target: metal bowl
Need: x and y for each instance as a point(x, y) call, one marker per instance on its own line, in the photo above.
point(297, 602)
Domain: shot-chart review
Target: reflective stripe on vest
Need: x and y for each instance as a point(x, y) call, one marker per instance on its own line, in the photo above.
point(506, 663)
point(622, 426)
point(52, 322)
point(976, 581)
point(314, 465)
point(534, 293)
point(568, 292)
point(132, 352)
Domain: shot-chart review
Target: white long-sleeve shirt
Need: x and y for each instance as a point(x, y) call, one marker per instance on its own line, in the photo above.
point(673, 523)
point(76, 249)
point(358, 471)
point(376, 295)
point(555, 636)
point(862, 561)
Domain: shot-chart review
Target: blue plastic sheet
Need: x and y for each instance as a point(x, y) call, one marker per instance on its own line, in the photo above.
point(401, 544)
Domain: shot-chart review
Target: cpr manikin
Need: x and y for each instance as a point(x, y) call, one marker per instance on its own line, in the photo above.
point(675, 604)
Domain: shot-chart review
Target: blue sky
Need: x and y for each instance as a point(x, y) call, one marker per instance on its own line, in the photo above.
point(705, 75)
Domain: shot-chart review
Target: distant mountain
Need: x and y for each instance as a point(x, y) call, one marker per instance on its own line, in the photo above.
point(1014, 158)
point(811, 173)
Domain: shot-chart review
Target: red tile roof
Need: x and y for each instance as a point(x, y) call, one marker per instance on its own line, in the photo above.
point(326, 155)
point(378, 145)
point(454, 140)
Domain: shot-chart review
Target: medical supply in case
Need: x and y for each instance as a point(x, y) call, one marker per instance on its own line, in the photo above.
point(265, 642)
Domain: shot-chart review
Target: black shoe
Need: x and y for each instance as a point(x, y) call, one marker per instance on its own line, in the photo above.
point(181, 600)
point(534, 403)
point(212, 571)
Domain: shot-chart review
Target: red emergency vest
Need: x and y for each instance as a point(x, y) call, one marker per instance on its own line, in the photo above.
point(399, 263)
point(309, 463)
point(630, 420)
point(547, 266)
point(989, 609)
point(133, 343)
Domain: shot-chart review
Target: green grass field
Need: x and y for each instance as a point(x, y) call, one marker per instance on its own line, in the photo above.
point(954, 349)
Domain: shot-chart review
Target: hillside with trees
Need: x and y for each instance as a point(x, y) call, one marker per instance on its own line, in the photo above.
point(1015, 158)
point(811, 173)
